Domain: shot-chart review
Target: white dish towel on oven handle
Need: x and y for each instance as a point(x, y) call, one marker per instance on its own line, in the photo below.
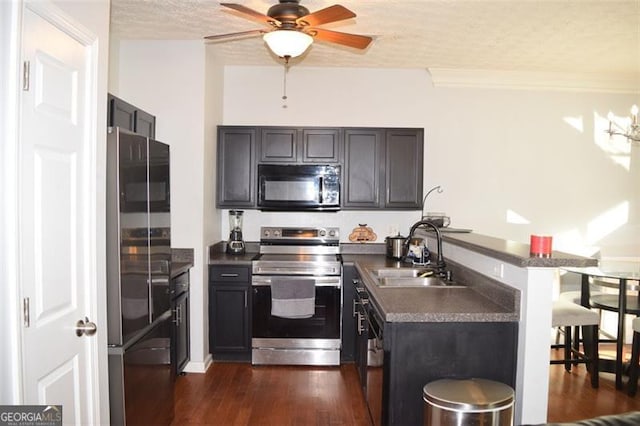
point(293, 298)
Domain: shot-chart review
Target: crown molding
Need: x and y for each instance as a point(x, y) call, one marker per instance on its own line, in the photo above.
point(529, 80)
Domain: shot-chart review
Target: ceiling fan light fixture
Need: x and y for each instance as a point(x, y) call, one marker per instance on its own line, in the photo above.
point(289, 43)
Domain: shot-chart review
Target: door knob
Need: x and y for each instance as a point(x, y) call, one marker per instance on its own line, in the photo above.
point(85, 327)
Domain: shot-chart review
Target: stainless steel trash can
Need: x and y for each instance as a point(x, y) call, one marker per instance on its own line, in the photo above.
point(469, 402)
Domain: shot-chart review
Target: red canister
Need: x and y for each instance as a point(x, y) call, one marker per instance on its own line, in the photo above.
point(541, 246)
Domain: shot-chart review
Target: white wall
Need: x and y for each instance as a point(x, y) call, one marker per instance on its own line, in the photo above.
point(540, 154)
point(214, 84)
point(179, 84)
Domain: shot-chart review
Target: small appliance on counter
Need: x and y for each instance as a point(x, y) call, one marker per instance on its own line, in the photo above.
point(235, 244)
point(395, 246)
point(418, 253)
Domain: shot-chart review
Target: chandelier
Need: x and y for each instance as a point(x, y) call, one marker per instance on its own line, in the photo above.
point(631, 132)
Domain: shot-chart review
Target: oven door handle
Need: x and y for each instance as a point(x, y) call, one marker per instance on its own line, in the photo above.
point(265, 280)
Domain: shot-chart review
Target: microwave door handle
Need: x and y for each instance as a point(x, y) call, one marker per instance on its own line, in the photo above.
point(321, 194)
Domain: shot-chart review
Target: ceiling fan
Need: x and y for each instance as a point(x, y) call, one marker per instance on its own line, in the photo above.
point(293, 28)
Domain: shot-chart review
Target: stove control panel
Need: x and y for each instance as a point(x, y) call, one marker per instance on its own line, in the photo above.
point(306, 234)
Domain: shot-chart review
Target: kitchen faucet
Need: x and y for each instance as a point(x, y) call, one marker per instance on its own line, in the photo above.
point(440, 264)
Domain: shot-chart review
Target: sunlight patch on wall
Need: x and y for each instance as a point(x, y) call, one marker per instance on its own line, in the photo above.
point(574, 242)
point(608, 222)
point(617, 147)
point(575, 122)
point(515, 218)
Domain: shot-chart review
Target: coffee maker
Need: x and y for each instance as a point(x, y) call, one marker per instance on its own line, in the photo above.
point(235, 244)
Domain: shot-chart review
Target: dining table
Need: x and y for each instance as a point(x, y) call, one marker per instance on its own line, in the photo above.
point(625, 279)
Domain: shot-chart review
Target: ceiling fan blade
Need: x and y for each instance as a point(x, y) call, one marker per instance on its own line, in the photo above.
point(232, 35)
point(252, 14)
point(324, 16)
point(351, 40)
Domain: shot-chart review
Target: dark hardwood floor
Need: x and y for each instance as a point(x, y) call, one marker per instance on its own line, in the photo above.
point(239, 394)
point(571, 396)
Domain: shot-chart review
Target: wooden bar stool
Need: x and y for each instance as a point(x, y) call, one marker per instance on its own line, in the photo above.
point(632, 386)
point(567, 315)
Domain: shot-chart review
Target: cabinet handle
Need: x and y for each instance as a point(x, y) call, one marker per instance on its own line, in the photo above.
point(360, 322)
point(245, 300)
point(178, 312)
point(229, 275)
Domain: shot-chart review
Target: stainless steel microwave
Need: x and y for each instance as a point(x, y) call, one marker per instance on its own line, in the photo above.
point(298, 187)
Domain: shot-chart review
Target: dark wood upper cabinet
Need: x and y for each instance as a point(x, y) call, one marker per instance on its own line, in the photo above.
point(278, 145)
point(124, 115)
point(382, 167)
point(299, 145)
point(120, 114)
point(145, 123)
point(236, 167)
point(362, 175)
point(320, 145)
point(403, 168)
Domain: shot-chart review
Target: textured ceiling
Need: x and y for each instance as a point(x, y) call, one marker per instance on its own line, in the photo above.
point(601, 37)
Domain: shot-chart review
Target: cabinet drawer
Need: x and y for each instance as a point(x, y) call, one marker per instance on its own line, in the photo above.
point(229, 273)
point(181, 283)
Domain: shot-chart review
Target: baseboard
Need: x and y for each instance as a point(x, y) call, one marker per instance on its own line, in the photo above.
point(199, 367)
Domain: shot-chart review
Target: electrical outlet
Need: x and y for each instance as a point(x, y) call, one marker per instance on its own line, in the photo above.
point(393, 230)
point(498, 270)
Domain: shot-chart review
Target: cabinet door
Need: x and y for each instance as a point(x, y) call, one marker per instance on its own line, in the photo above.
point(181, 321)
point(279, 145)
point(229, 319)
point(121, 114)
point(236, 165)
point(145, 123)
point(363, 171)
point(403, 167)
point(349, 273)
point(320, 145)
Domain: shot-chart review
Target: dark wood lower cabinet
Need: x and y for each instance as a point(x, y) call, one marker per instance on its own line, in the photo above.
point(347, 353)
point(230, 313)
point(181, 321)
point(418, 353)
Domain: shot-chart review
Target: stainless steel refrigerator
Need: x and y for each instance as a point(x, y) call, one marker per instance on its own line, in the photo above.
point(141, 371)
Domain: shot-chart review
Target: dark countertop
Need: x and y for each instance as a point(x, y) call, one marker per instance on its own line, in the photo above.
point(218, 255)
point(178, 268)
point(514, 252)
point(181, 260)
point(483, 300)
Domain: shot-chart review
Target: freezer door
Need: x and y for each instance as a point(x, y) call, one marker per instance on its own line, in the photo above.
point(141, 379)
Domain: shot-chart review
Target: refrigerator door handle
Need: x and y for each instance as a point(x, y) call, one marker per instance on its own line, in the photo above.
point(150, 298)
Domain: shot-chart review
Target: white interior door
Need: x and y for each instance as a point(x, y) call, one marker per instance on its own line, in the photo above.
point(57, 258)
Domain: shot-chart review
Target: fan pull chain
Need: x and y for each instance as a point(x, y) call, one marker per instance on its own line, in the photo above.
point(284, 90)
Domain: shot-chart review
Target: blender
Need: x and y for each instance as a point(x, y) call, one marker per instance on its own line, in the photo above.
point(235, 244)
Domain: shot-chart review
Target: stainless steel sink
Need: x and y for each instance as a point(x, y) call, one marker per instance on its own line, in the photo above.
point(410, 277)
point(402, 272)
point(417, 282)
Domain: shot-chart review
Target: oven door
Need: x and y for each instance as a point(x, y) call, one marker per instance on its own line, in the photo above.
point(324, 324)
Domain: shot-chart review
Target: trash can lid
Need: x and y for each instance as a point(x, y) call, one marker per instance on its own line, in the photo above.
point(468, 394)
